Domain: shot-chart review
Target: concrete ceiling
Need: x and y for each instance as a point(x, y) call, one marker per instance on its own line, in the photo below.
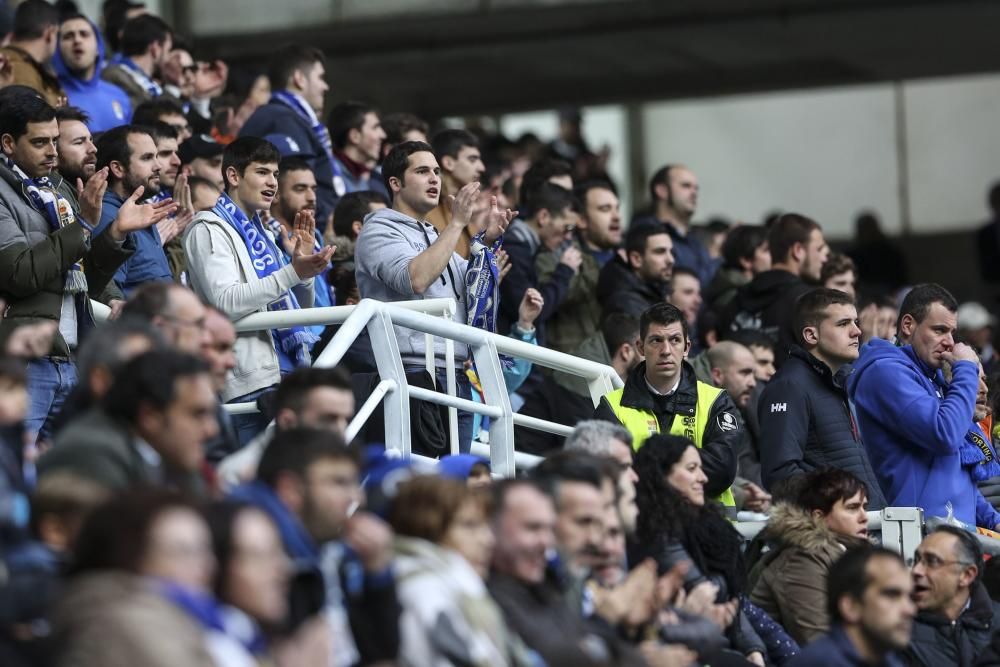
point(526, 58)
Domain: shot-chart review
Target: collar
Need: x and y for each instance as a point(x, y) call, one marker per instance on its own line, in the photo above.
point(148, 454)
point(673, 389)
point(303, 107)
point(356, 168)
point(683, 399)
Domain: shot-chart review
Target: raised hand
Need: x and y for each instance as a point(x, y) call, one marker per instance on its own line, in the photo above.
point(304, 229)
point(530, 308)
point(167, 229)
point(305, 260)
point(463, 205)
point(503, 265)
point(497, 221)
point(133, 216)
point(572, 258)
point(91, 196)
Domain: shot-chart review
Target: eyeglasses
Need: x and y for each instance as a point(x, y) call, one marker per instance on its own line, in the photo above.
point(189, 69)
point(932, 562)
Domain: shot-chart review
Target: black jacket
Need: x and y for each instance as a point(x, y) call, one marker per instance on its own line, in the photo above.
point(805, 423)
point(619, 290)
point(938, 642)
point(719, 447)
point(766, 304)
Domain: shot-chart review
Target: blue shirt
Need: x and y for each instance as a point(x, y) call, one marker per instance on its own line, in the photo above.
point(148, 263)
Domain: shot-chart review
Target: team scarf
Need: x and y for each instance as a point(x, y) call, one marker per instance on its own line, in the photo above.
point(482, 288)
point(306, 112)
point(978, 455)
point(58, 211)
point(266, 259)
point(152, 88)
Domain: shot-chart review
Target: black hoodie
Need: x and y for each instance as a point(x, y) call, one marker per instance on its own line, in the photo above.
point(766, 304)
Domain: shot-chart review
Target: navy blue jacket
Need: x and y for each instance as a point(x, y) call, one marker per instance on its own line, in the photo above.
point(149, 263)
point(914, 425)
point(805, 423)
point(836, 650)
point(277, 118)
point(688, 251)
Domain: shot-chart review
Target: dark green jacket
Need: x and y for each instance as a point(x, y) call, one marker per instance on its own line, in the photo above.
point(34, 261)
point(579, 314)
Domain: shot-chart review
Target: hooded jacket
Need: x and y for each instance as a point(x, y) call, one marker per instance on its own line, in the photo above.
point(766, 304)
point(389, 241)
point(619, 290)
point(106, 104)
point(806, 424)
point(791, 587)
point(913, 425)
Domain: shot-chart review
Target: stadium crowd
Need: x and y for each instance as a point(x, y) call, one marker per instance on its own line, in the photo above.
point(141, 523)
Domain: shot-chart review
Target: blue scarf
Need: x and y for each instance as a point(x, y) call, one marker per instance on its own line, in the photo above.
point(152, 88)
point(59, 213)
point(208, 613)
point(482, 288)
point(266, 259)
point(294, 102)
point(978, 455)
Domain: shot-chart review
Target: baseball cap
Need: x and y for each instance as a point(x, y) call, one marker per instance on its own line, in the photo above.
point(199, 146)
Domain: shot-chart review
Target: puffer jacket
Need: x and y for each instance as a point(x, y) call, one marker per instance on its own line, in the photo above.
point(791, 586)
point(939, 642)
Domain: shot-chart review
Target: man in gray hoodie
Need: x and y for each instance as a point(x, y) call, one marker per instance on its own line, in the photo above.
point(402, 257)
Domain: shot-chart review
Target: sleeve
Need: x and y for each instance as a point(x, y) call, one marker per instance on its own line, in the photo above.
point(919, 416)
point(213, 263)
point(803, 598)
point(986, 515)
point(745, 637)
point(26, 269)
point(720, 445)
point(103, 260)
point(385, 254)
point(583, 284)
point(515, 376)
point(783, 412)
point(518, 281)
point(605, 413)
point(374, 618)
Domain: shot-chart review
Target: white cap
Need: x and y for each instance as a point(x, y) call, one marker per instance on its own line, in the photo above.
point(973, 315)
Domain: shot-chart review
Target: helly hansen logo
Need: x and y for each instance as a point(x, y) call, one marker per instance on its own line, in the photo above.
point(779, 407)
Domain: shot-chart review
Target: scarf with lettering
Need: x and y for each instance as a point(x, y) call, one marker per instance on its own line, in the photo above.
point(978, 455)
point(152, 88)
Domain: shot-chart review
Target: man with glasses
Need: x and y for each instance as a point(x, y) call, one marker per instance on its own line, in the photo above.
point(163, 110)
point(955, 615)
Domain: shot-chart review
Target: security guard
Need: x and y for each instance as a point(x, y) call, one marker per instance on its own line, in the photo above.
point(662, 394)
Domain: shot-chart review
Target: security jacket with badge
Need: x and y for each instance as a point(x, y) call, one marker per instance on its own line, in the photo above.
point(698, 411)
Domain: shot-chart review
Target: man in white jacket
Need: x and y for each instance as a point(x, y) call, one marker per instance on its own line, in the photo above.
point(236, 265)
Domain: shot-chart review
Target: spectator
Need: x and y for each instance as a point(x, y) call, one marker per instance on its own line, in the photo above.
point(201, 156)
point(166, 110)
point(871, 614)
point(762, 349)
point(745, 253)
point(610, 441)
point(78, 63)
point(543, 170)
point(678, 523)
point(245, 273)
point(348, 217)
point(444, 545)
point(916, 433)
point(357, 136)
point(129, 154)
point(204, 193)
point(685, 293)
point(48, 264)
point(633, 285)
point(663, 391)
point(547, 230)
point(150, 429)
point(398, 127)
point(955, 616)
point(218, 353)
point(145, 46)
point(457, 153)
point(599, 233)
point(314, 398)
point(880, 262)
point(32, 45)
point(398, 259)
point(838, 273)
point(298, 90)
point(767, 302)
point(805, 420)
point(179, 73)
point(975, 326)
point(471, 470)
point(175, 312)
point(307, 482)
point(877, 315)
point(174, 186)
point(673, 189)
point(810, 532)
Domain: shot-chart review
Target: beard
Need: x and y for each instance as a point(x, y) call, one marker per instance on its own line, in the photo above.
point(130, 184)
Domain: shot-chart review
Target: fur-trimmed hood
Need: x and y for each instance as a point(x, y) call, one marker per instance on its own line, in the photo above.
point(793, 526)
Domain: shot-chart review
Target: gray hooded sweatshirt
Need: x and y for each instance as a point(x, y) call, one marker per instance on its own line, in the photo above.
point(388, 242)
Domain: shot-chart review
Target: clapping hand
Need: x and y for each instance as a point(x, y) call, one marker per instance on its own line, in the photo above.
point(497, 221)
point(133, 216)
point(307, 262)
point(91, 196)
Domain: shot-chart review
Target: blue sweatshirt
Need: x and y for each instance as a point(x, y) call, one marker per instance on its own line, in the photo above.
point(106, 104)
point(914, 424)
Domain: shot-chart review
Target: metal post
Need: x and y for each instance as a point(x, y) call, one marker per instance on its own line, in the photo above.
point(495, 394)
point(390, 367)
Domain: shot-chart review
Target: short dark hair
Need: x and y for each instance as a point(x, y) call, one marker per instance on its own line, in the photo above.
point(683, 271)
point(969, 551)
point(72, 113)
point(150, 379)
point(398, 159)
point(550, 197)
point(449, 142)
point(293, 57)
point(849, 577)
point(810, 308)
point(33, 17)
point(741, 243)
point(397, 125)
point(581, 190)
point(150, 111)
point(751, 338)
point(160, 131)
point(293, 163)
point(141, 32)
point(918, 301)
point(295, 386)
point(568, 466)
point(354, 206)
point(822, 488)
point(504, 487)
point(660, 176)
point(241, 153)
point(540, 172)
point(19, 110)
point(663, 314)
point(345, 117)
point(637, 236)
point(113, 146)
point(296, 449)
point(618, 329)
point(836, 264)
point(787, 230)
point(149, 301)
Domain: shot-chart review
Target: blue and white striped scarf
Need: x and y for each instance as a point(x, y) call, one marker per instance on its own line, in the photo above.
point(266, 258)
point(152, 88)
point(299, 106)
